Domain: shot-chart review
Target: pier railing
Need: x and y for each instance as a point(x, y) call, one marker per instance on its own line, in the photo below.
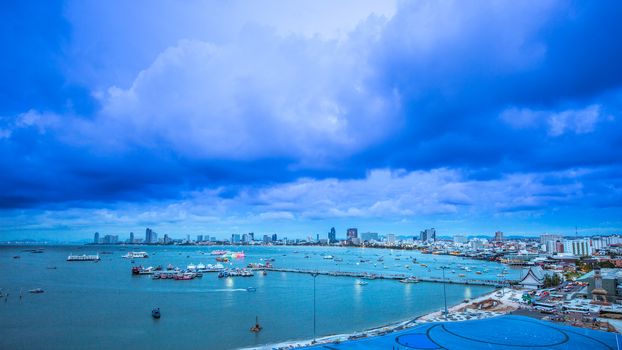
point(367, 275)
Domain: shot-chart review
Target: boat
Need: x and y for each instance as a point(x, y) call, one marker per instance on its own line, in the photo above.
point(478, 272)
point(191, 267)
point(328, 257)
point(218, 252)
point(83, 257)
point(410, 279)
point(251, 289)
point(155, 313)
point(461, 275)
point(139, 270)
point(36, 291)
point(362, 283)
point(339, 259)
point(136, 255)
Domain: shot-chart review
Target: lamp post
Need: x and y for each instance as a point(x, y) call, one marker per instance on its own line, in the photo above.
point(314, 275)
point(445, 290)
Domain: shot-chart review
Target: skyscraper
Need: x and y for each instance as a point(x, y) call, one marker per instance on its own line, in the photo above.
point(498, 236)
point(96, 238)
point(131, 237)
point(150, 236)
point(352, 233)
point(274, 238)
point(332, 235)
point(428, 235)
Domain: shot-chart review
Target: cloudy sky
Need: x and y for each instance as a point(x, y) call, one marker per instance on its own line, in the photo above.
point(291, 117)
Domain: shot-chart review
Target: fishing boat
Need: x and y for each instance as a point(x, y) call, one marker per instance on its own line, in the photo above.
point(36, 291)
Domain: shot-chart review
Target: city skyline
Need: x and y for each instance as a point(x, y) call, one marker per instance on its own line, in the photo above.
point(273, 117)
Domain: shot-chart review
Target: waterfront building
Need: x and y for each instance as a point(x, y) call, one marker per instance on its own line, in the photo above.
point(167, 239)
point(266, 239)
point(332, 235)
point(352, 233)
point(369, 236)
point(355, 241)
point(150, 236)
point(390, 238)
point(275, 238)
point(111, 239)
point(199, 238)
point(460, 239)
point(428, 235)
point(131, 237)
point(96, 238)
point(235, 238)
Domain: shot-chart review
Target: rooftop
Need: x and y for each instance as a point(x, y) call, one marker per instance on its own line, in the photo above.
point(505, 332)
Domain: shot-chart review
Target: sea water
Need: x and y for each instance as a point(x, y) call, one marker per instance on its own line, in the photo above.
point(89, 305)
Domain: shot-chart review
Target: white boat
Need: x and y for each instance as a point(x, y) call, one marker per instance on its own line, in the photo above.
point(410, 280)
point(135, 255)
point(200, 266)
point(83, 257)
point(328, 256)
point(361, 283)
point(191, 267)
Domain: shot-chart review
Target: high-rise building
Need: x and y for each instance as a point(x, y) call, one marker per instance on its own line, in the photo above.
point(332, 235)
point(274, 237)
point(167, 239)
point(352, 233)
point(390, 238)
point(428, 235)
point(96, 238)
point(150, 236)
point(266, 239)
point(498, 236)
point(131, 237)
point(111, 239)
point(199, 238)
point(548, 237)
point(578, 247)
point(235, 238)
point(251, 235)
point(460, 239)
point(369, 236)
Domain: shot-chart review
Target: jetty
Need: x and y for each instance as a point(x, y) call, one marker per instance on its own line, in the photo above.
point(367, 275)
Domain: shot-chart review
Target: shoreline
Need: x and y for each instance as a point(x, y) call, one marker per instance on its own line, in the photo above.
point(400, 325)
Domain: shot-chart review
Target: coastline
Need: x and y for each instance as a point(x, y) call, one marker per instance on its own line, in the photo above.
point(435, 316)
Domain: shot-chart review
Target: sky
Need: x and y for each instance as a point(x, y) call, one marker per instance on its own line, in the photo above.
point(211, 117)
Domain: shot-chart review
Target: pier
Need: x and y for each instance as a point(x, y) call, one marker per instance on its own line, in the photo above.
point(367, 275)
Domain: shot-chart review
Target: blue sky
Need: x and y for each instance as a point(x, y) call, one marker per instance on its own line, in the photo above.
point(291, 117)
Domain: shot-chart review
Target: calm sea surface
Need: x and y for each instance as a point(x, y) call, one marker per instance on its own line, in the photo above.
point(101, 305)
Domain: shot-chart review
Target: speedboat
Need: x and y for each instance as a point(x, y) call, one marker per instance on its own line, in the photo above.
point(361, 283)
point(328, 256)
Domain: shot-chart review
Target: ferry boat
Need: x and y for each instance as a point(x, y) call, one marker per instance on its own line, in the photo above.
point(136, 255)
point(83, 257)
point(411, 279)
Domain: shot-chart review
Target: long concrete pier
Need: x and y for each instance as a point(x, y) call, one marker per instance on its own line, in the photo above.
point(367, 275)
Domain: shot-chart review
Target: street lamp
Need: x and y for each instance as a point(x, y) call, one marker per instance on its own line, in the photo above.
point(445, 289)
point(314, 275)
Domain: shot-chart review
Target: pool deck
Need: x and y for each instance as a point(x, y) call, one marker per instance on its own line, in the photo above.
point(503, 332)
